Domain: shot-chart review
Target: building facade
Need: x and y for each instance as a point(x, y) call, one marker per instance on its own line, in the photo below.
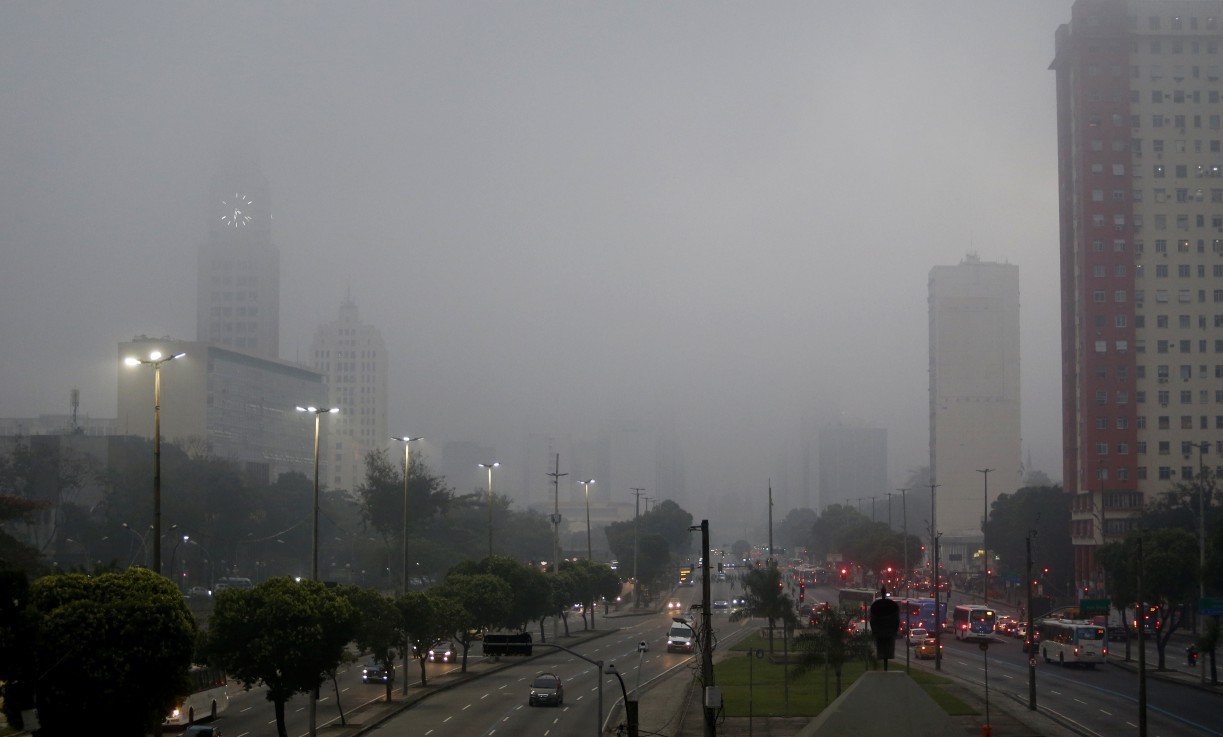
point(351, 357)
point(225, 403)
point(853, 463)
point(974, 400)
point(1140, 163)
point(238, 266)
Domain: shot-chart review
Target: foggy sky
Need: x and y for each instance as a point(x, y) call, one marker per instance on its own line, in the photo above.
point(719, 216)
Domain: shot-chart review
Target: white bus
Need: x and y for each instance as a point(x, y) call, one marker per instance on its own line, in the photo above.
point(1072, 642)
point(208, 696)
point(973, 622)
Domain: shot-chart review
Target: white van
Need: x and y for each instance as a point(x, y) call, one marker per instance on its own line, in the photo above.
point(681, 639)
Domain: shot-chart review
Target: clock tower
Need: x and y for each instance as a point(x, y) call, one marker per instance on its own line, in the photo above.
point(238, 275)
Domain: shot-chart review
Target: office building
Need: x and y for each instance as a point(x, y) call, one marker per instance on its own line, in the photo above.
point(1140, 162)
point(974, 400)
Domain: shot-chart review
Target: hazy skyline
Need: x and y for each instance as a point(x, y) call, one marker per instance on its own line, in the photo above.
point(716, 216)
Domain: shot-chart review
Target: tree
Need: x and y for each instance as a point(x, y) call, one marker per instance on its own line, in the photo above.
point(381, 494)
point(118, 644)
point(427, 618)
point(653, 553)
point(1045, 509)
point(530, 593)
point(831, 642)
point(795, 531)
point(592, 582)
point(1169, 571)
point(284, 634)
point(378, 626)
point(480, 600)
point(765, 598)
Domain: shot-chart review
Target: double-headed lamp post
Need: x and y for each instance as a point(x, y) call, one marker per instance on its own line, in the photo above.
point(407, 456)
point(490, 467)
point(589, 548)
point(316, 411)
point(155, 359)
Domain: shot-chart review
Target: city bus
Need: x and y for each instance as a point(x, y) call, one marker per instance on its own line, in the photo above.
point(921, 615)
point(973, 621)
point(208, 696)
point(1071, 642)
point(857, 601)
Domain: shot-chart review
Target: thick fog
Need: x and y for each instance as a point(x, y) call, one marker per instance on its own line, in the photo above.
point(712, 216)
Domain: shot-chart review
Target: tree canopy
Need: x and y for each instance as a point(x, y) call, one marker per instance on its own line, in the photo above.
point(284, 634)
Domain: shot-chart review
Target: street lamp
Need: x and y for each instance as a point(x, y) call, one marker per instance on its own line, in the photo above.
point(637, 492)
point(316, 411)
point(490, 467)
point(407, 455)
point(985, 548)
point(155, 359)
point(589, 549)
point(174, 553)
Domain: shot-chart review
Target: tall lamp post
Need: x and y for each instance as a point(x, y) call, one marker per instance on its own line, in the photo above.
point(490, 467)
point(317, 412)
point(589, 549)
point(407, 457)
point(637, 492)
point(155, 359)
point(985, 548)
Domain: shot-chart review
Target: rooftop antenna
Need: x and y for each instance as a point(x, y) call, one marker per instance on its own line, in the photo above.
point(76, 404)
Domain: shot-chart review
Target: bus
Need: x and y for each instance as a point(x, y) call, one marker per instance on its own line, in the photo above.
point(921, 615)
point(208, 696)
point(1071, 642)
point(857, 601)
point(973, 622)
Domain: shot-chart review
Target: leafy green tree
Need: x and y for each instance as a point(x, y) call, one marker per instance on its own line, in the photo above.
point(593, 582)
point(564, 594)
point(765, 598)
point(1169, 569)
point(1044, 509)
point(795, 531)
point(118, 644)
point(378, 626)
point(530, 593)
point(481, 602)
point(284, 634)
point(428, 618)
point(833, 642)
point(654, 559)
point(672, 522)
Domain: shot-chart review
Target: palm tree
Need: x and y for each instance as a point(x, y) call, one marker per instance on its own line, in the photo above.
point(833, 642)
point(765, 598)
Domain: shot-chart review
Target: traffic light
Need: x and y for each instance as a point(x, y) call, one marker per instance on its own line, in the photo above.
point(802, 591)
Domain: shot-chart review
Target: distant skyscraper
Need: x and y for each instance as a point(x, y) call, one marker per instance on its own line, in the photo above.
point(1140, 163)
point(974, 397)
point(352, 358)
point(238, 278)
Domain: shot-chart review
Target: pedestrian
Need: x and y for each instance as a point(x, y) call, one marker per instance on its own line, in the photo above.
point(1191, 656)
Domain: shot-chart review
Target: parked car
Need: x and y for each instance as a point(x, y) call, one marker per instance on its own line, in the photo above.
point(546, 689)
point(375, 672)
point(443, 652)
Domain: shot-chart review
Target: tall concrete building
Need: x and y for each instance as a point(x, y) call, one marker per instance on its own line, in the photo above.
point(238, 268)
point(1140, 161)
point(974, 399)
point(352, 358)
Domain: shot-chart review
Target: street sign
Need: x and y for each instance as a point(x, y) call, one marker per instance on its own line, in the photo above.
point(1093, 607)
point(1211, 606)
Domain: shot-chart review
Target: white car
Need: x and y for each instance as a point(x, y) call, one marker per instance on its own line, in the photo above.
point(917, 635)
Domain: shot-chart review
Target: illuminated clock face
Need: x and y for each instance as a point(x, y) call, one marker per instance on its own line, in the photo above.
point(236, 211)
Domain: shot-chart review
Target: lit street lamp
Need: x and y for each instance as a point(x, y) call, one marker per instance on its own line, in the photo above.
point(589, 548)
point(985, 548)
point(407, 455)
point(173, 554)
point(490, 467)
point(155, 359)
point(316, 411)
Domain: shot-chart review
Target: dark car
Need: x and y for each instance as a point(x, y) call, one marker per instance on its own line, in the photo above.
point(201, 730)
point(376, 672)
point(443, 652)
point(546, 689)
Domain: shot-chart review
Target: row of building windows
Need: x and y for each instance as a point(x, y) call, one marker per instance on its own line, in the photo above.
point(235, 327)
point(1183, 245)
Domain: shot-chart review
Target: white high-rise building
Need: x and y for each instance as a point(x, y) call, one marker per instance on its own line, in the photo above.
point(974, 398)
point(352, 358)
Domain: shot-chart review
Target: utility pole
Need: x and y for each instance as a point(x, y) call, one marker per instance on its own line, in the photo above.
point(556, 534)
point(637, 492)
point(709, 692)
point(984, 547)
point(934, 582)
point(769, 560)
point(1030, 635)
